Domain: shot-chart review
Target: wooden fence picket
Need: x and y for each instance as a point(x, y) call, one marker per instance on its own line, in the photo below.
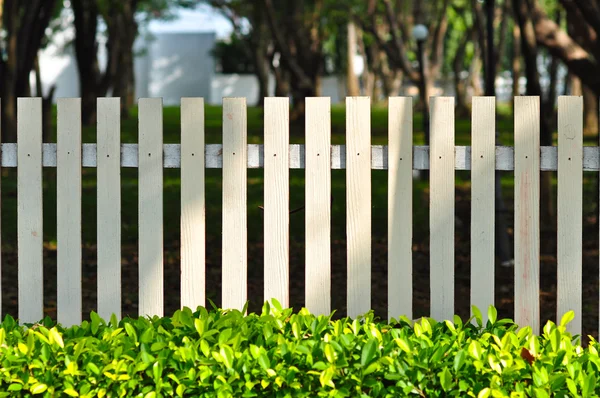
point(483, 165)
point(400, 206)
point(68, 213)
point(318, 157)
point(235, 230)
point(30, 229)
point(570, 211)
point(193, 232)
point(318, 206)
point(527, 211)
point(277, 199)
point(150, 222)
point(358, 203)
point(108, 193)
point(441, 217)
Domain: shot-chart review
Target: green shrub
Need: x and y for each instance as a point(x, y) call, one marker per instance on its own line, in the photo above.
point(284, 354)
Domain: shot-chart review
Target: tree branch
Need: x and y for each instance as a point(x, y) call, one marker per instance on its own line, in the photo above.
point(286, 53)
point(561, 45)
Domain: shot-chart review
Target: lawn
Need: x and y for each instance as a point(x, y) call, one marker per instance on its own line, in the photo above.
point(213, 117)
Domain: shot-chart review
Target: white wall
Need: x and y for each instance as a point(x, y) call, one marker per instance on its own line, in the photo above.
point(173, 65)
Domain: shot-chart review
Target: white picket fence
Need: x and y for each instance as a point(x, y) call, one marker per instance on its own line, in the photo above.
point(318, 157)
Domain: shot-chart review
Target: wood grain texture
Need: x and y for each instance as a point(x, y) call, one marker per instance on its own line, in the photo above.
point(235, 229)
point(30, 229)
point(358, 204)
point(277, 200)
point(441, 216)
point(400, 205)
point(193, 207)
point(68, 212)
point(108, 194)
point(482, 202)
point(569, 280)
point(151, 295)
point(318, 206)
point(527, 212)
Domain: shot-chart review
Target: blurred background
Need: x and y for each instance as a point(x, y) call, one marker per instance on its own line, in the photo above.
point(297, 49)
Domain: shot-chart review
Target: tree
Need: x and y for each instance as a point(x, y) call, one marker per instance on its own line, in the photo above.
point(93, 82)
point(122, 19)
point(23, 27)
point(580, 53)
point(298, 32)
point(397, 18)
point(256, 43)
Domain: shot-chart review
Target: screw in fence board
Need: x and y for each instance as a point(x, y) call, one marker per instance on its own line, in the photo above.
point(441, 216)
point(570, 210)
point(483, 165)
point(318, 205)
point(235, 224)
point(68, 212)
point(277, 199)
point(193, 229)
point(150, 222)
point(29, 210)
point(108, 193)
point(358, 204)
point(400, 204)
point(527, 212)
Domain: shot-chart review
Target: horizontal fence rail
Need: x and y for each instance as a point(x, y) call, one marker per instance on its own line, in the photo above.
point(505, 157)
point(318, 157)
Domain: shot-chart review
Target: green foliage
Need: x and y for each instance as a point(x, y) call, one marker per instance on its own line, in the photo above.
point(280, 353)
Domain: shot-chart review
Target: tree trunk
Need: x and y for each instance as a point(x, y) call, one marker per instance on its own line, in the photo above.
point(262, 75)
point(46, 102)
point(352, 86)
point(124, 79)
point(516, 60)
point(368, 78)
point(576, 87)
point(460, 87)
point(590, 111)
point(86, 51)
point(24, 27)
point(476, 65)
point(9, 75)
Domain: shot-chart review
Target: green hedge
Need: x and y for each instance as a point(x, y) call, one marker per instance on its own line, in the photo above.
point(284, 354)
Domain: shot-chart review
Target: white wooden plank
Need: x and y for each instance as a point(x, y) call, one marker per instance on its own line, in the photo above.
point(108, 206)
point(30, 231)
point(441, 217)
point(379, 153)
point(277, 200)
point(68, 211)
point(527, 212)
point(570, 210)
point(235, 160)
point(400, 204)
point(151, 295)
point(318, 206)
point(193, 208)
point(358, 204)
point(482, 202)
